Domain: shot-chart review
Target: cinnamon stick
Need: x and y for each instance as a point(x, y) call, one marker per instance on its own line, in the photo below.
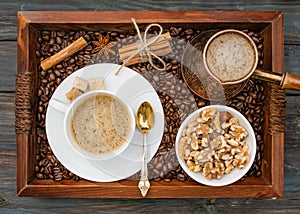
point(64, 53)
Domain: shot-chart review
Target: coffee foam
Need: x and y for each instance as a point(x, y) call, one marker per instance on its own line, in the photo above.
point(101, 124)
point(230, 57)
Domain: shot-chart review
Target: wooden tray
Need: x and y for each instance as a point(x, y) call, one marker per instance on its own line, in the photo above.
point(270, 24)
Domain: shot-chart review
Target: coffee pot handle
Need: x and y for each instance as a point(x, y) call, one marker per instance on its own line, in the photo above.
point(290, 81)
point(286, 80)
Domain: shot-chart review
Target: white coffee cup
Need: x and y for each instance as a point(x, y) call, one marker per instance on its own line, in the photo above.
point(69, 110)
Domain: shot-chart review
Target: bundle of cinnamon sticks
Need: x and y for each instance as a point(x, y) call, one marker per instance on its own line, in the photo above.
point(160, 47)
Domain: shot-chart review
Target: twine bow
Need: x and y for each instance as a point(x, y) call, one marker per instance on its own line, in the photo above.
point(143, 47)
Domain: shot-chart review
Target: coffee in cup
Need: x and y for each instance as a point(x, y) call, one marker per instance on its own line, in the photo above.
point(99, 125)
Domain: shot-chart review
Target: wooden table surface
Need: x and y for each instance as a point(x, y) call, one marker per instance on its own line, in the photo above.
point(9, 203)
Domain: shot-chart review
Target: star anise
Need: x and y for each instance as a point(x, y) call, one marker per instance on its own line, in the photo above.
point(103, 45)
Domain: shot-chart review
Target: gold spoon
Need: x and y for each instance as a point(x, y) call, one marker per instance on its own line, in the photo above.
point(144, 121)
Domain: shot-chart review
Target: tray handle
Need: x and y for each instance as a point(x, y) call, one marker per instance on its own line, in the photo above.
point(24, 103)
point(276, 108)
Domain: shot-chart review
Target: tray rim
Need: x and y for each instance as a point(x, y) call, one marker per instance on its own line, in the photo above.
point(28, 186)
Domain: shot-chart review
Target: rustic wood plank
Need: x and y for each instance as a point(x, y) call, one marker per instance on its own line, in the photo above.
point(12, 204)
point(291, 62)
point(7, 121)
point(292, 148)
point(8, 65)
point(9, 203)
point(290, 8)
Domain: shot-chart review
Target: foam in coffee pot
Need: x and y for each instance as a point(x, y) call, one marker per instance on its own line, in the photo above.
point(230, 57)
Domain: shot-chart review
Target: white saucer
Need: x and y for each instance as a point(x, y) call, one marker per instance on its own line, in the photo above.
point(134, 89)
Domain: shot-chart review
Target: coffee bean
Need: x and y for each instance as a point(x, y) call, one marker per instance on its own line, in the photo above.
point(52, 76)
point(168, 177)
point(188, 31)
point(174, 31)
point(250, 119)
point(41, 163)
point(260, 46)
point(165, 169)
point(58, 177)
point(58, 40)
point(157, 179)
point(39, 175)
point(181, 177)
point(250, 33)
point(156, 78)
point(37, 157)
point(156, 172)
point(170, 166)
point(46, 38)
point(40, 109)
point(40, 92)
point(159, 166)
point(249, 99)
point(255, 39)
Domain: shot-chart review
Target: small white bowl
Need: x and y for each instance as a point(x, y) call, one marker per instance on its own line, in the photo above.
point(236, 173)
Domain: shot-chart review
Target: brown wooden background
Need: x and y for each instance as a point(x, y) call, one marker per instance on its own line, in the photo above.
point(9, 203)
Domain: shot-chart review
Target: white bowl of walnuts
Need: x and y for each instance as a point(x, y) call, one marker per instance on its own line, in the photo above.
point(216, 145)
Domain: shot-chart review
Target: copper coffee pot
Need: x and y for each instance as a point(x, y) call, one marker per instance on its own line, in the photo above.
point(200, 79)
